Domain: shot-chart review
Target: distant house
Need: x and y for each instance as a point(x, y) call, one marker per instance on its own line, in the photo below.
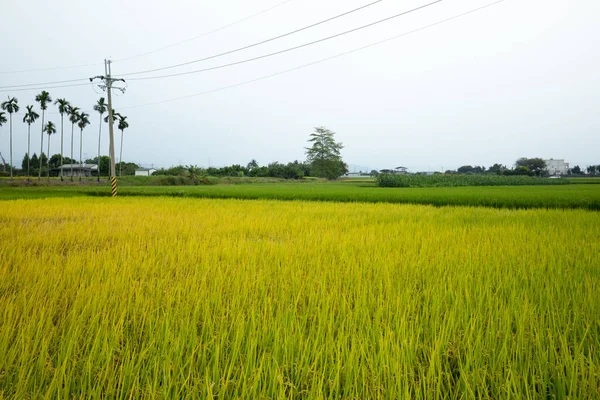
point(357, 175)
point(395, 171)
point(144, 171)
point(78, 170)
point(557, 167)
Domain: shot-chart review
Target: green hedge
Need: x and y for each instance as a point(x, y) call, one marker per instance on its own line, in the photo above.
point(390, 180)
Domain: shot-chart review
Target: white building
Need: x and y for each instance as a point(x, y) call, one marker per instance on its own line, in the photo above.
point(557, 167)
point(144, 171)
point(78, 170)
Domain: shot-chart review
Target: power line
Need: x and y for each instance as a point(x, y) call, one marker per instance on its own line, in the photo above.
point(205, 34)
point(289, 49)
point(42, 83)
point(44, 88)
point(49, 69)
point(258, 43)
point(213, 56)
point(153, 51)
point(318, 61)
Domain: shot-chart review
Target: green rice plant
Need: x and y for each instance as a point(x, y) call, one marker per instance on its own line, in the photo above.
point(439, 180)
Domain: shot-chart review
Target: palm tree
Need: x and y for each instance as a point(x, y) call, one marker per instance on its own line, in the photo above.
point(74, 118)
point(63, 108)
point(123, 124)
point(50, 129)
point(101, 108)
point(43, 98)
point(2, 122)
point(11, 107)
point(29, 118)
point(83, 121)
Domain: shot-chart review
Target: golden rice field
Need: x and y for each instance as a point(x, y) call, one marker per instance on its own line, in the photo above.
point(188, 298)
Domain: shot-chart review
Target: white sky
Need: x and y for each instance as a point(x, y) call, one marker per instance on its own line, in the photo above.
point(519, 79)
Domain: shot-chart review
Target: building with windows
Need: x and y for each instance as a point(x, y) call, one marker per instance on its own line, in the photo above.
point(144, 171)
point(78, 170)
point(557, 167)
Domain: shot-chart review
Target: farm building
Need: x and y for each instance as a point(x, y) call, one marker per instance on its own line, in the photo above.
point(557, 167)
point(78, 170)
point(144, 171)
point(395, 171)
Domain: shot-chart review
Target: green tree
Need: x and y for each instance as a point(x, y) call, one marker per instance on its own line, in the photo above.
point(43, 99)
point(63, 108)
point(324, 154)
point(35, 161)
point(252, 164)
point(3, 120)
point(123, 124)
point(25, 162)
point(497, 169)
point(50, 129)
point(29, 118)
point(591, 170)
point(100, 107)
point(535, 165)
point(74, 118)
point(576, 170)
point(465, 169)
point(82, 122)
point(11, 106)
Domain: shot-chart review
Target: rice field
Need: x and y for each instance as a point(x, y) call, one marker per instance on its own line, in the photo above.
point(513, 197)
point(199, 298)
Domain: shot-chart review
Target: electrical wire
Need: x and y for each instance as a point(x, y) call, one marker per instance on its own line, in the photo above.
point(204, 34)
point(257, 43)
point(213, 56)
point(42, 83)
point(50, 68)
point(318, 61)
point(44, 87)
point(286, 50)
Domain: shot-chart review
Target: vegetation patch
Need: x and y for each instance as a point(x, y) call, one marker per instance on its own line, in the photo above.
point(442, 180)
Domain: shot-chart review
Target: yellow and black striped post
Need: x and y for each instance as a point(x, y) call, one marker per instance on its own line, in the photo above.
point(113, 185)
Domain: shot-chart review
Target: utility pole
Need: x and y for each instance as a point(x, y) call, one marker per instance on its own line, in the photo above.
point(108, 80)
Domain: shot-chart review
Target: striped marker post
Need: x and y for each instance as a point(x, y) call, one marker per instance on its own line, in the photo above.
point(113, 185)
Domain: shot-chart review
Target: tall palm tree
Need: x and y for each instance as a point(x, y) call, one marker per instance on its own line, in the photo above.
point(43, 98)
point(83, 121)
point(123, 124)
point(63, 108)
point(2, 122)
point(50, 129)
point(11, 107)
point(101, 108)
point(29, 118)
point(74, 118)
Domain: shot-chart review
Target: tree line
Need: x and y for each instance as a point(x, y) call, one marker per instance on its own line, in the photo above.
point(76, 117)
point(323, 160)
point(523, 166)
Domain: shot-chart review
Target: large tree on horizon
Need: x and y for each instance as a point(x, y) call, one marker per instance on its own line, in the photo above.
point(63, 108)
point(29, 118)
point(50, 129)
point(123, 124)
point(101, 107)
point(43, 99)
point(74, 118)
point(324, 154)
point(11, 106)
point(82, 121)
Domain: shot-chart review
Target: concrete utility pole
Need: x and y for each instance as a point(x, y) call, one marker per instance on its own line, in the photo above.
point(108, 80)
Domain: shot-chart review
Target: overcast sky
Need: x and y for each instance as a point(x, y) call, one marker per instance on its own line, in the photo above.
point(518, 79)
